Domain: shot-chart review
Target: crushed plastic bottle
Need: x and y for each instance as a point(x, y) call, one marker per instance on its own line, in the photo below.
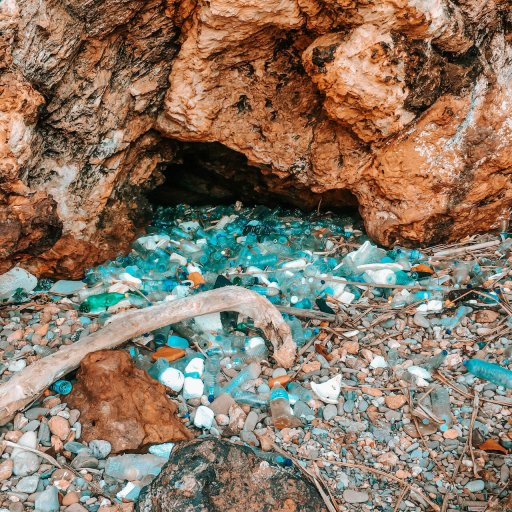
point(100, 302)
point(134, 466)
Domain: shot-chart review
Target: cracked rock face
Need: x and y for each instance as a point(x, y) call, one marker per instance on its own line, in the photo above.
point(404, 105)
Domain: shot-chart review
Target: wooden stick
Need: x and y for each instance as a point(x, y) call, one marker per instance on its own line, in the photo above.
point(460, 250)
point(25, 385)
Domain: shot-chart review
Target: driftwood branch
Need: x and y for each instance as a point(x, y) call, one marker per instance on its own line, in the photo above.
point(30, 382)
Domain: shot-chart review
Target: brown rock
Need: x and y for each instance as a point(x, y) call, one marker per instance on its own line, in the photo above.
point(399, 107)
point(135, 409)
point(59, 426)
point(395, 401)
point(70, 498)
point(486, 316)
point(238, 476)
point(6, 469)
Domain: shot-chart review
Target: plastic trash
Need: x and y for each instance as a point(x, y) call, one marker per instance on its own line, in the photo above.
point(435, 362)
point(282, 415)
point(489, 371)
point(328, 391)
point(17, 279)
point(134, 466)
point(98, 303)
point(250, 372)
point(440, 399)
point(62, 387)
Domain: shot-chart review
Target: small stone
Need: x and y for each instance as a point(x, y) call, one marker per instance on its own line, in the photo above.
point(251, 421)
point(28, 484)
point(70, 498)
point(48, 500)
point(59, 426)
point(486, 316)
point(6, 469)
point(25, 463)
point(451, 433)
point(76, 507)
point(249, 438)
point(222, 420)
point(222, 404)
point(388, 459)
point(312, 366)
point(372, 391)
point(100, 449)
point(395, 401)
point(475, 486)
point(236, 419)
point(378, 362)
point(16, 366)
point(330, 411)
point(402, 474)
point(351, 496)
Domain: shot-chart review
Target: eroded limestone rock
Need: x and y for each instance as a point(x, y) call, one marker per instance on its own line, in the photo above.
point(402, 104)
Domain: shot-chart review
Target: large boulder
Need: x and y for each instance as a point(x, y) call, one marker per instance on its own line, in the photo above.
point(399, 106)
point(122, 404)
point(210, 475)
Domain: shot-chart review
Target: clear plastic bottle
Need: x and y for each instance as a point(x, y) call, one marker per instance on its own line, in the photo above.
point(440, 399)
point(250, 372)
point(134, 466)
point(280, 409)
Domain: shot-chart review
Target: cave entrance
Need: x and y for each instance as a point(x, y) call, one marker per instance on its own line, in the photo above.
point(213, 174)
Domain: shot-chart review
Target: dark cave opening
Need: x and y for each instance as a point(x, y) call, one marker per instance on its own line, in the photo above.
point(213, 174)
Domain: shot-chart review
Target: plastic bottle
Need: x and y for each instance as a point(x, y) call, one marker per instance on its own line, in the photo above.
point(489, 371)
point(434, 362)
point(280, 409)
point(250, 372)
point(211, 377)
point(298, 392)
point(440, 399)
point(273, 458)
point(249, 398)
point(161, 335)
point(97, 303)
point(62, 387)
point(133, 466)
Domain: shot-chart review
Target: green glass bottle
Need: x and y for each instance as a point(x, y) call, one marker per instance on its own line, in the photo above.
point(97, 303)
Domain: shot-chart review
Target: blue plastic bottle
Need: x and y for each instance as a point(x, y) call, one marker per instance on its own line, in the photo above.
point(489, 371)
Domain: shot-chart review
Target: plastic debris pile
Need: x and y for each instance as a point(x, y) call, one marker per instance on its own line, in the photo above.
point(373, 327)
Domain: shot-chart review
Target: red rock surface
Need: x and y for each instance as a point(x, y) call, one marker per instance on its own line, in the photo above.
point(122, 404)
point(404, 105)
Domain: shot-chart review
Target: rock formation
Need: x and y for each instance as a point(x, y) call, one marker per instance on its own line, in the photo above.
point(213, 475)
point(403, 106)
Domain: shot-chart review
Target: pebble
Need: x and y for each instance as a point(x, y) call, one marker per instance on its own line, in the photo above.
point(395, 401)
point(28, 484)
point(451, 433)
point(100, 449)
point(251, 421)
point(6, 469)
point(48, 500)
point(25, 463)
point(329, 412)
point(475, 486)
point(351, 496)
point(70, 498)
point(59, 426)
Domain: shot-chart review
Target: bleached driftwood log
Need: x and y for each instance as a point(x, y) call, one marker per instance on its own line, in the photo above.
point(30, 382)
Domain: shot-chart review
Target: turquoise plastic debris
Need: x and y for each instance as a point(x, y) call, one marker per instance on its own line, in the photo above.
point(489, 371)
